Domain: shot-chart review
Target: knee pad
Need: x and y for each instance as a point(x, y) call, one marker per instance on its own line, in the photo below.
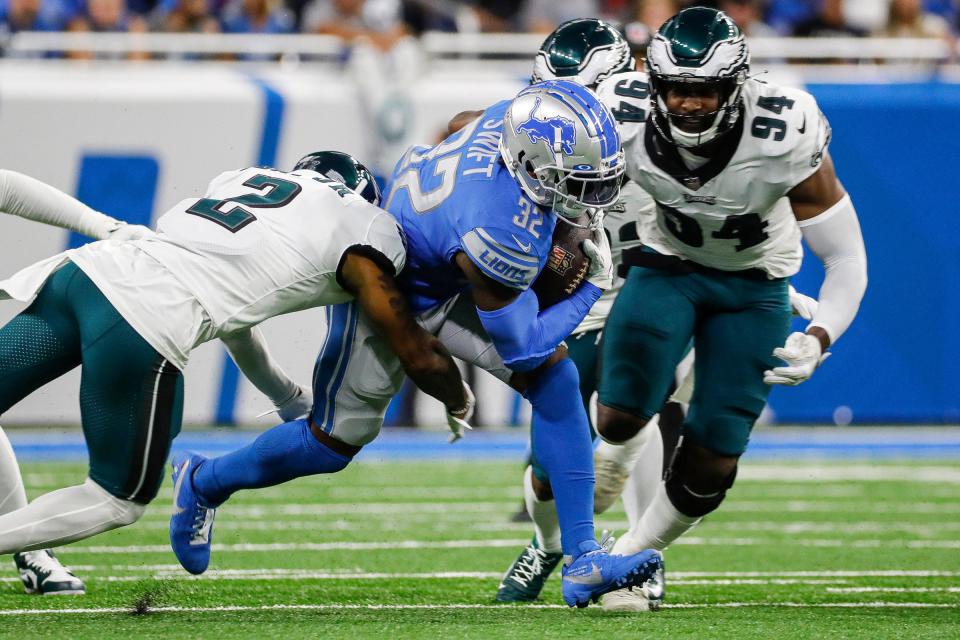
point(707, 492)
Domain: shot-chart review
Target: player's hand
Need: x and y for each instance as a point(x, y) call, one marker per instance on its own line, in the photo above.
point(297, 407)
point(124, 232)
point(803, 355)
point(600, 271)
point(803, 306)
point(458, 419)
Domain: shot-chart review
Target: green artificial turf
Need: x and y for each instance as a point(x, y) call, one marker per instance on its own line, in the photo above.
point(414, 550)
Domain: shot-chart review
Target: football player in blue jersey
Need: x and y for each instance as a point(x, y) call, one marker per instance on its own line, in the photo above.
point(478, 212)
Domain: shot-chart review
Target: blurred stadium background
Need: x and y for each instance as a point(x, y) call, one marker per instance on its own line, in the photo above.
point(132, 105)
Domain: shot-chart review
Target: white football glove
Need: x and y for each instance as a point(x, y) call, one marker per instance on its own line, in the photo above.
point(297, 407)
point(458, 421)
point(600, 271)
point(124, 232)
point(803, 355)
point(803, 306)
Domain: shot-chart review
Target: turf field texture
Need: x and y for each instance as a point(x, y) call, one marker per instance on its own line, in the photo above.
point(414, 549)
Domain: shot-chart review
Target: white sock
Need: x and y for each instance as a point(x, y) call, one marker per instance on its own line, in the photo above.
point(544, 515)
point(626, 453)
point(659, 526)
point(65, 516)
point(12, 495)
point(646, 474)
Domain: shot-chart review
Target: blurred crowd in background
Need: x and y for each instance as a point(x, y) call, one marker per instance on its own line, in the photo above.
point(385, 22)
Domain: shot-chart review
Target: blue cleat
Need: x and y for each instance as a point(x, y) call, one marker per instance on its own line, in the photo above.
point(191, 525)
point(597, 572)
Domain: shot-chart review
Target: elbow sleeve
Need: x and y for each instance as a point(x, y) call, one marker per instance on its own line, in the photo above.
point(834, 236)
point(524, 336)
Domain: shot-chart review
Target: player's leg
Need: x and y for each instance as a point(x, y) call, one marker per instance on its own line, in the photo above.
point(646, 335)
point(38, 345)
point(354, 379)
point(131, 406)
point(525, 578)
point(561, 444)
point(733, 349)
point(645, 476)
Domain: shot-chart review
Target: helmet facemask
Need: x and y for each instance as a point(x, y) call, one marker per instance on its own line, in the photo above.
point(694, 130)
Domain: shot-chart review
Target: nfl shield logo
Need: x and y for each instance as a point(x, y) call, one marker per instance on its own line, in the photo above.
point(692, 183)
point(560, 260)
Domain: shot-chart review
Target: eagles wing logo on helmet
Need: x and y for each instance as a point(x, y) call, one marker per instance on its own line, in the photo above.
point(558, 132)
point(585, 50)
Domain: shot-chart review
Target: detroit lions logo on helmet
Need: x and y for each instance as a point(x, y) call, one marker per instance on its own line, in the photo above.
point(560, 133)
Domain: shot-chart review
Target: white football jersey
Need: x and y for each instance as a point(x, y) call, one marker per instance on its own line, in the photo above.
point(730, 213)
point(625, 223)
point(260, 243)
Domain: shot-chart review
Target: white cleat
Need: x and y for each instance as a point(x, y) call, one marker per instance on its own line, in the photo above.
point(649, 597)
point(42, 573)
point(611, 476)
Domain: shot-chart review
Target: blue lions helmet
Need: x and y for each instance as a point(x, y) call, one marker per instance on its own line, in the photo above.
point(561, 144)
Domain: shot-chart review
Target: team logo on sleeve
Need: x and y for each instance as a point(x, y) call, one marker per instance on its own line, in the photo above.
point(558, 132)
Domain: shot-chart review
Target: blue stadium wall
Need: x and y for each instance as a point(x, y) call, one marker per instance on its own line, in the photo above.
point(896, 148)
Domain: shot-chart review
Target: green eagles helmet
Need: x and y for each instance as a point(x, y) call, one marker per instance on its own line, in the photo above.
point(585, 51)
point(345, 169)
point(698, 50)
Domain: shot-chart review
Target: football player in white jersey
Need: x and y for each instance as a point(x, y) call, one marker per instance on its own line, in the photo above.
point(40, 570)
point(259, 243)
point(740, 172)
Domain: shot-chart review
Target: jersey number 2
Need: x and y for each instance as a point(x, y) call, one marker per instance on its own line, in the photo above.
point(279, 193)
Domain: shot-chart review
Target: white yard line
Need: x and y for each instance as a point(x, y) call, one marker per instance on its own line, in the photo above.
point(296, 575)
point(401, 607)
point(457, 509)
point(893, 589)
point(938, 474)
point(519, 542)
point(174, 572)
point(716, 576)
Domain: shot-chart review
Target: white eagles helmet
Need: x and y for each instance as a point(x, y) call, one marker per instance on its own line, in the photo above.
point(562, 146)
point(586, 50)
point(698, 49)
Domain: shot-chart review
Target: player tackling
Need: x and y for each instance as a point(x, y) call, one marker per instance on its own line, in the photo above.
point(259, 243)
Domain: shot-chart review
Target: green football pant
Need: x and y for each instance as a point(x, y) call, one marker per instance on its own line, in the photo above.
point(735, 322)
point(131, 397)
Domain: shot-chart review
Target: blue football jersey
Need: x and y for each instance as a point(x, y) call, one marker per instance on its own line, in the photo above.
point(459, 197)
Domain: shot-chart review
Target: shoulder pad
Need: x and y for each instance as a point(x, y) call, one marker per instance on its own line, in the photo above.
point(786, 123)
point(627, 95)
point(223, 179)
point(501, 256)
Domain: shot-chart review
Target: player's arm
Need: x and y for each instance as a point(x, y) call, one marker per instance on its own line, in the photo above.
point(524, 336)
point(831, 229)
point(248, 348)
point(461, 120)
point(424, 358)
point(28, 198)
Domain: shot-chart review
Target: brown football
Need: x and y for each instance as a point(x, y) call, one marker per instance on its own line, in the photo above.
point(566, 265)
